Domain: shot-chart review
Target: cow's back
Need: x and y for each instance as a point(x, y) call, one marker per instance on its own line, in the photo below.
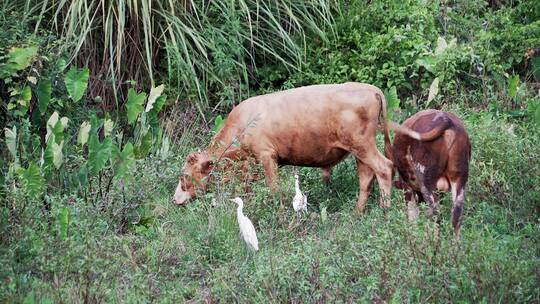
point(302, 125)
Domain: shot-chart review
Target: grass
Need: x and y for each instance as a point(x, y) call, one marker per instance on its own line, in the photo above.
point(148, 249)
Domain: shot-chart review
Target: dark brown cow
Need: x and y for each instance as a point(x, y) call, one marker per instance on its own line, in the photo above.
point(316, 126)
point(437, 160)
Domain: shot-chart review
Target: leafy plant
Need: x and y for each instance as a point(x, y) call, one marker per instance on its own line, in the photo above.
point(76, 82)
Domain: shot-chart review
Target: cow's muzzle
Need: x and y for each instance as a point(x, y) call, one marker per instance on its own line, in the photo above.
point(180, 195)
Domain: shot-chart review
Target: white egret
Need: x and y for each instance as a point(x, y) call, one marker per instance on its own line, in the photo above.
point(246, 226)
point(300, 199)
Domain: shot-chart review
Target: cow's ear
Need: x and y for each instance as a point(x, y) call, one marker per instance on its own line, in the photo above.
point(192, 158)
point(206, 165)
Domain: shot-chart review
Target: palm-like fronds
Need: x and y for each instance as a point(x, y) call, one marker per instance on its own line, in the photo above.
point(206, 45)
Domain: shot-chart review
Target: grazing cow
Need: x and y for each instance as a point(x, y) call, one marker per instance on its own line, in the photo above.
point(314, 126)
point(435, 156)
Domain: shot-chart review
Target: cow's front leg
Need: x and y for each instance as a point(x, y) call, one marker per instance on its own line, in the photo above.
point(270, 170)
point(365, 179)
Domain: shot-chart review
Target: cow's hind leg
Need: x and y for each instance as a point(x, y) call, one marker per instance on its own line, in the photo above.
point(365, 179)
point(458, 199)
point(382, 167)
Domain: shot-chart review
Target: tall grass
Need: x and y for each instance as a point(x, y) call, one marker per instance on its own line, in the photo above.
point(198, 44)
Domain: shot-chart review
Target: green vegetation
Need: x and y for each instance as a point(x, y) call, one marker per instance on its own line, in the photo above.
point(102, 100)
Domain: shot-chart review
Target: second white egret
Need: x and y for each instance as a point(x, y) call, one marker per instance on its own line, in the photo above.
point(246, 226)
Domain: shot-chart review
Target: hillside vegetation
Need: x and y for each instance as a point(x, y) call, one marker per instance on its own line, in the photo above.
point(101, 101)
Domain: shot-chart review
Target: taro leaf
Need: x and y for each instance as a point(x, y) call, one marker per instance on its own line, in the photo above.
point(31, 180)
point(428, 62)
point(441, 46)
point(513, 83)
point(50, 125)
point(76, 82)
point(535, 66)
point(44, 94)
point(82, 176)
point(165, 146)
point(58, 156)
point(63, 222)
point(154, 94)
point(153, 114)
point(218, 124)
point(433, 90)
point(48, 156)
point(98, 153)
point(82, 136)
point(107, 127)
point(144, 146)
point(11, 140)
point(134, 105)
point(25, 97)
point(124, 160)
point(20, 58)
point(392, 101)
point(32, 79)
point(58, 131)
point(26, 94)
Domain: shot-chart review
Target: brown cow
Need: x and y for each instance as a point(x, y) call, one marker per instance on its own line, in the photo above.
point(314, 126)
point(438, 160)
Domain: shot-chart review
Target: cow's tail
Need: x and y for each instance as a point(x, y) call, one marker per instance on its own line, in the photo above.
point(425, 136)
point(387, 144)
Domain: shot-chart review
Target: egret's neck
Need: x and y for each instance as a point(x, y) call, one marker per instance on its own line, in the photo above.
point(297, 185)
point(239, 210)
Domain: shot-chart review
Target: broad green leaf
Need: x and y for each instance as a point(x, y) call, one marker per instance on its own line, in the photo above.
point(50, 125)
point(392, 101)
point(536, 117)
point(58, 132)
point(441, 46)
point(144, 146)
point(76, 82)
point(154, 94)
point(26, 93)
point(433, 89)
point(164, 150)
point(44, 94)
point(124, 161)
point(98, 153)
point(32, 79)
point(31, 180)
point(153, 114)
point(108, 127)
point(513, 83)
point(82, 176)
point(134, 105)
point(428, 62)
point(20, 58)
point(11, 140)
point(84, 130)
point(535, 67)
point(58, 156)
point(64, 120)
point(218, 124)
point(63, 222)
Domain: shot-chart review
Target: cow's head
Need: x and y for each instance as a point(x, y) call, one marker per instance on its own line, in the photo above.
point(196, 169)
